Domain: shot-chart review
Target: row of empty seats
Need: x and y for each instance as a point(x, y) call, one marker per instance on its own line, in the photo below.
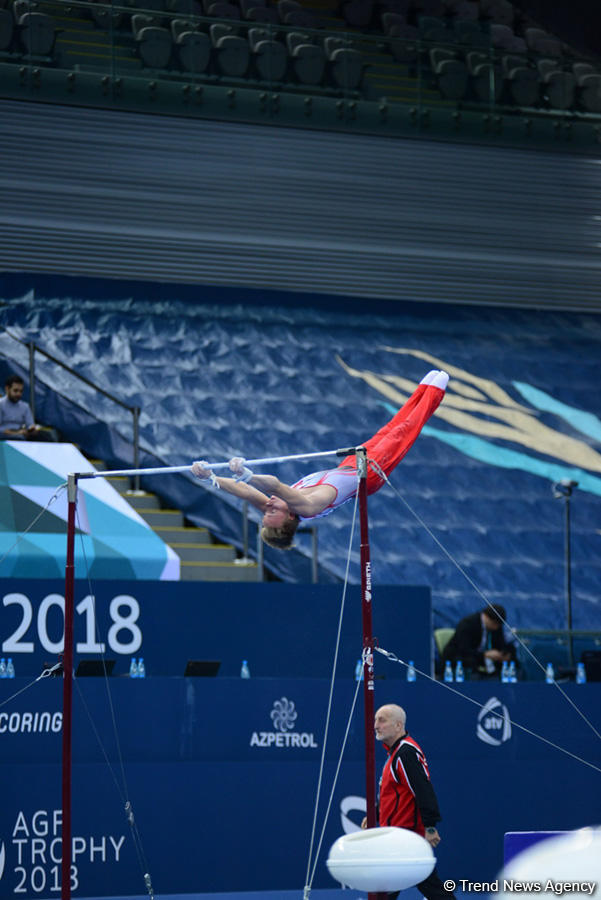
point(367, 13)
point(259, 54)
point(283, 12)
point(514, 80)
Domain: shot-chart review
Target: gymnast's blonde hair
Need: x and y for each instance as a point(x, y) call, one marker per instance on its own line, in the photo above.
point(280, 538)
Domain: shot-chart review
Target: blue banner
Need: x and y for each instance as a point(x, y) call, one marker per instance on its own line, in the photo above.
point(222, 773)
point(283, 630)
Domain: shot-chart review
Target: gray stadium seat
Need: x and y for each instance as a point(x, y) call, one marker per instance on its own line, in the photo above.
point(470, 34)
point(153, 42)
point(37, 33)
point(292, 13)
point(524, 82)
point(358, 13)
point(221, 9)
point(232, 52)
point(558, 86)
point(541, 42)
point(270, 57)
point(503, 38)
point(345, 63)
point(258, 11)
point(486, 77)
point(434, 30)
point(451, 73)
point(193, 47)
point(7, 26)
point(308, 60)
point(588, 81)
point(405, 48)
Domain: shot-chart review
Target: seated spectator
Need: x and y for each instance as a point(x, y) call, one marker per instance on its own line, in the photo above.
point(482, 642)
point(16, 420)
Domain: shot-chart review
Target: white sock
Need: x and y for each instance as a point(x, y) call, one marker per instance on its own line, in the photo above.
point(429, 378)
point(440, 380)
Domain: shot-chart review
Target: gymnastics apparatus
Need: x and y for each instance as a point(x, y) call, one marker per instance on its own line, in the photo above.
point(363, 471)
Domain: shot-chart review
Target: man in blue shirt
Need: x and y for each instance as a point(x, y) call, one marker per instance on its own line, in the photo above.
point(16, 420)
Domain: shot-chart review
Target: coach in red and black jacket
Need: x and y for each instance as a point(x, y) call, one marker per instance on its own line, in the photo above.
point(407, 798)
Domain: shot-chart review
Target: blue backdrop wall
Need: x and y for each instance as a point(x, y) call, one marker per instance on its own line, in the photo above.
point(224, 371)
point(222, 774)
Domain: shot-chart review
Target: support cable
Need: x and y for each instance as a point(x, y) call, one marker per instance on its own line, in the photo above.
point(311, 871)
point(393, 658)
point(460, 568)
point(122, 789)
point(22, 534)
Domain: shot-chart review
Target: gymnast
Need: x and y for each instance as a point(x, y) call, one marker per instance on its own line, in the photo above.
point(318, 494)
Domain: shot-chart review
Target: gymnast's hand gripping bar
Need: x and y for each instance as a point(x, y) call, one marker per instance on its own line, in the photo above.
point(170, 470)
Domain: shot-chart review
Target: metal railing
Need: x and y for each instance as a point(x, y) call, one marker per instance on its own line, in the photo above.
point(33, 348)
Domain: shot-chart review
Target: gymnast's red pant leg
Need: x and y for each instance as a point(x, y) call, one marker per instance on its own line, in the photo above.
point(390, 444)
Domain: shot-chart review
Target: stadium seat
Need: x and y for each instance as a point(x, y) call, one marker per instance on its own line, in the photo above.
point(542, 43)
point(434, 30)
point(345, 64)
point(258, 11)
point(558, 86)
point(442, 636)
point(470, 34)
point(37, 33)
point(588, 81)
point(153, 42)
point(221, 9)
point(6, 29)
point(232, 52)
point(292, 13)
point(308, 60)
point(269, 56)
point(486, 77)
point(451, 73)
point(193, 47)
point(358, 13)
point(503, 38)
point(524, 83)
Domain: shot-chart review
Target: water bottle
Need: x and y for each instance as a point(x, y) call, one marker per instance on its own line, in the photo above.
point(459, 675)
point(133, 668)
point(2, 668)
point(580, 674)
point(10, 669)
point(512, 675)
point(359, 670)
point(411, 673)
point(549, 674)
point(489, 665)
point(141, 668)
point(448, 671)
point(505, 672)
point(244, 671)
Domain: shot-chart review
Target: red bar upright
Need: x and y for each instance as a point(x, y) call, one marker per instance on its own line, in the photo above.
point(68, 689)
point(368, 651)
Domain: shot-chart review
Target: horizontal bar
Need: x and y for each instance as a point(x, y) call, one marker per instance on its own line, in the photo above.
point(169, 470)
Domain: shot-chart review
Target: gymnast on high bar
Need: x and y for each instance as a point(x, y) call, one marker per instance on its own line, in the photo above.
point(318, 494)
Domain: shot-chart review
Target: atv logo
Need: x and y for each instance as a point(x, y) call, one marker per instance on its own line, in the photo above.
point(494, 724)
point(283, 715)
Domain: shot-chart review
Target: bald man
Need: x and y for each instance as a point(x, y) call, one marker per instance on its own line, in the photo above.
point(407, 798)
